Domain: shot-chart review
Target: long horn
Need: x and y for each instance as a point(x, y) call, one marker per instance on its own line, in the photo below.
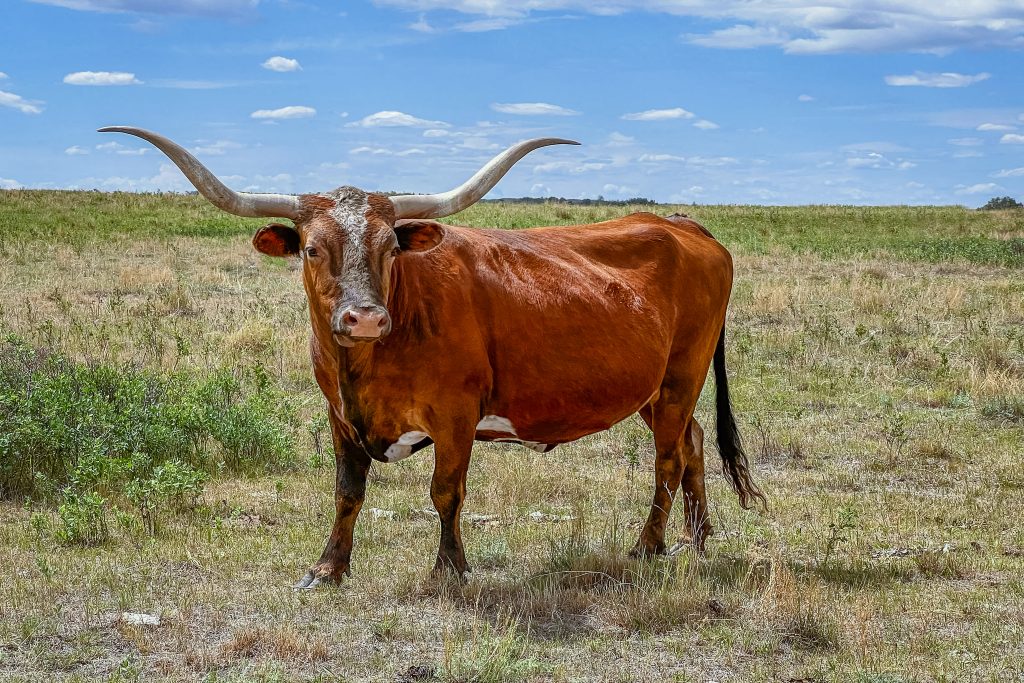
point(239, 203)
point(470, 192)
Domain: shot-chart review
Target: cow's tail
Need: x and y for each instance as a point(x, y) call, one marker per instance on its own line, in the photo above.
point(734, 459)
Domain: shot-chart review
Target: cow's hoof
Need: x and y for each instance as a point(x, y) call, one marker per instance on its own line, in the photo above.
point(311, 581)
point(683, 545)
point(641, 551)
point(444, 571)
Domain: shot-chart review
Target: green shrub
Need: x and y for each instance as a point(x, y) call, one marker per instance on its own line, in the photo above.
point(80, 435)
point(83, 519)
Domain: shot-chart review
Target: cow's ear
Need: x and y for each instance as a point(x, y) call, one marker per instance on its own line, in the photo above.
point(418, 235)
point(277, 240)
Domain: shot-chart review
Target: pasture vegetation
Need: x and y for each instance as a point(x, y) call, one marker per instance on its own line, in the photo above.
point(163, 450)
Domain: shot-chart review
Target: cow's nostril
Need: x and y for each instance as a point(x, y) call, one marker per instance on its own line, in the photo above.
point(382, 321)
point(349, 318)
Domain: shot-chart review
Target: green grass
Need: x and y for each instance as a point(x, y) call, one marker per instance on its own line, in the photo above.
point(924, 233)
point(876, 358)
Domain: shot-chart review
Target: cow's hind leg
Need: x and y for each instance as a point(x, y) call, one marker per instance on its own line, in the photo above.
point(697, 524)
point(353, 464)
point(666, 419)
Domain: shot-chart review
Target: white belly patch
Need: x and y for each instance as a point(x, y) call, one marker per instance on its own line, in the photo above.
point(402, 449)
point(502, 425)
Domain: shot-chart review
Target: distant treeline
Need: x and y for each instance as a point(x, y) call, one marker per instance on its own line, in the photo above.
point(600, 201)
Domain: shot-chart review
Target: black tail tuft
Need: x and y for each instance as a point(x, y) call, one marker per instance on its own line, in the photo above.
point(734, 459)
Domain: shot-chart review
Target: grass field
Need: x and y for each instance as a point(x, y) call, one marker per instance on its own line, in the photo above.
point(877, 365)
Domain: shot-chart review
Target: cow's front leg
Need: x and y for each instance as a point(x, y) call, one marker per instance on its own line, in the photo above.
point(448, 491)
point(353, 464)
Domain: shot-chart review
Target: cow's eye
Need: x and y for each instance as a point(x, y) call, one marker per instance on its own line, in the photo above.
point(311, 252)
point(396, 251)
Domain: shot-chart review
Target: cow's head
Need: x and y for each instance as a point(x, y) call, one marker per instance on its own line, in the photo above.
point(346, 238)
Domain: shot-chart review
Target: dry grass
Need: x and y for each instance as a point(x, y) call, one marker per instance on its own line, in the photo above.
point(880, 393)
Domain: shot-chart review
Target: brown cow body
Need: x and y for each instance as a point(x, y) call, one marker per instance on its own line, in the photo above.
point(427, 333)
point(481, 328)
point(540, 336)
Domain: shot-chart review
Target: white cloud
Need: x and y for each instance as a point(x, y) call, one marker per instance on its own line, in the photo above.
point(478, 142)
point(996, 127)
point(1010, 173)
point(658, 158)
point(75, 150)
point(690, 194)
point(616, 139)
point(659, 115)
point(216, 148)
point(292, 112)
point(483, 25)
point(740, 37)
point(387, 119)
point(795, 26)
point(117, 148)
point(10, 184)
point(966, 142)
point(422, 25)
point(281, 64)
point(619, 190)
point(2, 75)
point(568, 167)
point(1012, 139)
point(533, 109)
point(241, 8)
point(805, 98)
point(9, 99)
point(101, 78)
point(877, 160)
point(979, 188)
point(540, 189)
point(712, 161)
point(435, 133)
point(704, 124)
point(381, 151)
point(936, 80)
point(168, 178)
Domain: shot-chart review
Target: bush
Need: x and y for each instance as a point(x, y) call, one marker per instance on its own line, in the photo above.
point(78, 435)
point(1000, 203)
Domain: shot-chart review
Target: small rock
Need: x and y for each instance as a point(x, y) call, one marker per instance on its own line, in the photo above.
point(483, 520)
point(538, 516)
point(140, 619)
point(382, 514)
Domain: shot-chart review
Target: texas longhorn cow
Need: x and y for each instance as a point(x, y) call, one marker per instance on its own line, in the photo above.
point(426, 333)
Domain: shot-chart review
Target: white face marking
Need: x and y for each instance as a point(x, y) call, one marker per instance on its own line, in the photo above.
point(502, 425)
point(402, 449)
point(349, 212)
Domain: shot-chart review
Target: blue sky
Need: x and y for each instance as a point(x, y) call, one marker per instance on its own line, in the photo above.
point(774, 102)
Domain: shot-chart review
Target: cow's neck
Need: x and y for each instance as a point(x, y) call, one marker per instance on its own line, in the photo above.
point(353, 366)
